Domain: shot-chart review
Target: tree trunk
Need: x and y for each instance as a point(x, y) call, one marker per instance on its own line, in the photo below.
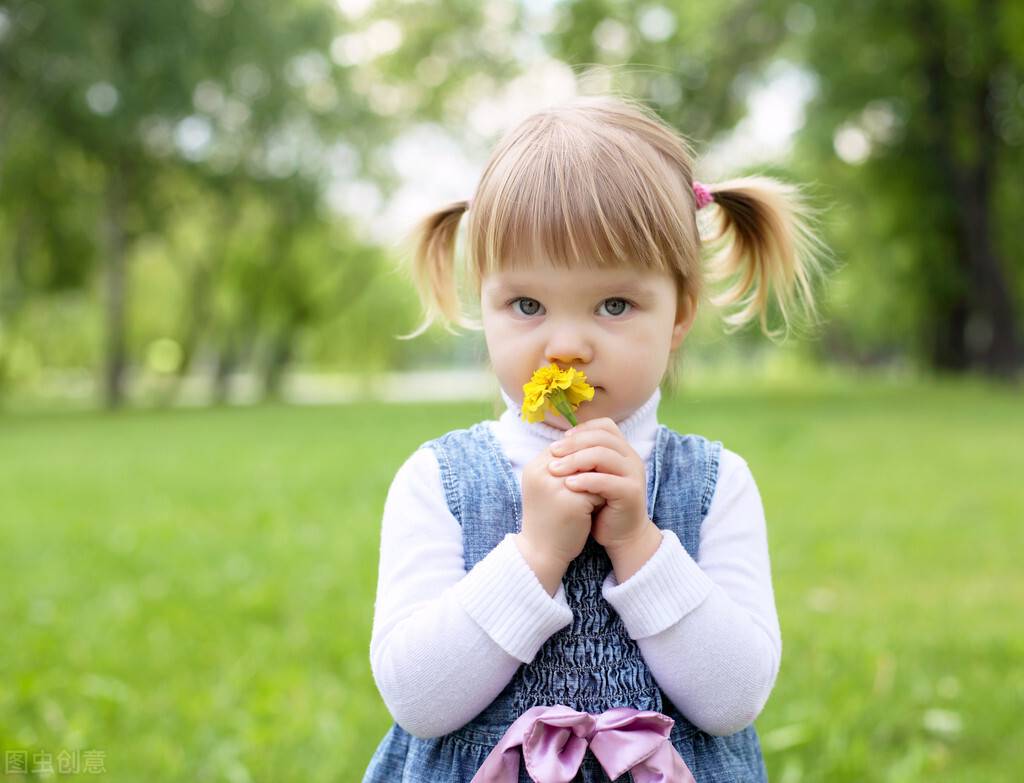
point(279, 355)
point(979, 328)
point(948, 332)
point(998, 351)
point(203, 283)
point(114, 357)
point(227, 361)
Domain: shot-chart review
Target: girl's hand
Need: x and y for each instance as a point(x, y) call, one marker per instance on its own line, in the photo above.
point(556, 521)
point(596, 458)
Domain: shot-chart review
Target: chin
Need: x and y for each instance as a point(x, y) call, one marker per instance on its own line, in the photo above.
point(581, 417)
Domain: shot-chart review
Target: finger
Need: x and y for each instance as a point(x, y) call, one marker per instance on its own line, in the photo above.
point(599, 458)
point(606, 485)
point(604, 423)
point(594, 437)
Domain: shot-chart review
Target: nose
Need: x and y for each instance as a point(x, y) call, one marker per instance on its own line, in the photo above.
point(569, 345)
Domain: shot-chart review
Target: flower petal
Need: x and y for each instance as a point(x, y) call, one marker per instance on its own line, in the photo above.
point(570, 385)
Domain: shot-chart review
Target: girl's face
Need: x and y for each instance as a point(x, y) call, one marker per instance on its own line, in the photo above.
point(619, 326)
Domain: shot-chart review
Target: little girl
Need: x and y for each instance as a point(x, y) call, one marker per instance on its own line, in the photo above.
point(559, 604)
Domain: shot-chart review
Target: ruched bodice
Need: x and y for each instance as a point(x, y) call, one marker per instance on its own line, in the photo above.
point(591, 665)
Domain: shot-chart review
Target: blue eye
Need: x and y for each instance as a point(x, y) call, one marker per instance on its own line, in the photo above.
point(619, 306)
point(530, 307)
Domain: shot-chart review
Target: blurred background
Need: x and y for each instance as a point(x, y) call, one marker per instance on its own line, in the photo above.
point(202, 207)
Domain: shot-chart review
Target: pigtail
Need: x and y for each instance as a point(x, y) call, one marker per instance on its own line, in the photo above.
point(433, 267)
point(764, 243)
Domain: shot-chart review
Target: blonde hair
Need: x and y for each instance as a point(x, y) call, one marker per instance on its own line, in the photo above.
point(603, 182)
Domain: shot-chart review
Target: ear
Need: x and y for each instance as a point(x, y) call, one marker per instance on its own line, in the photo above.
point(686, 312)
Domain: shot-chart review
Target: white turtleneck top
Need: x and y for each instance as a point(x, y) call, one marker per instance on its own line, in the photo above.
point(446, 642)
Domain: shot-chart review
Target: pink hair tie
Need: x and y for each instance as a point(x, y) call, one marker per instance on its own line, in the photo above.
point(702, 194)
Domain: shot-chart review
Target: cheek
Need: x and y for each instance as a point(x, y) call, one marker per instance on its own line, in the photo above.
point(505, 358)
point(494, 336)
point(644, 353)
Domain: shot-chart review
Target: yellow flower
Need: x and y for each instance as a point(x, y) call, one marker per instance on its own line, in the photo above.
point(556, 389)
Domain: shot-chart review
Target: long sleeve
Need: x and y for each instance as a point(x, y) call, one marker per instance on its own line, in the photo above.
point(446, 642)
point(708, 629)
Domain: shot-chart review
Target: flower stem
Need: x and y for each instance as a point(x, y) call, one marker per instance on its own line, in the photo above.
point(562, 406)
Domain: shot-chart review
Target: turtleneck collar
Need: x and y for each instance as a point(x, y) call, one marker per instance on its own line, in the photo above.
point(523, 440)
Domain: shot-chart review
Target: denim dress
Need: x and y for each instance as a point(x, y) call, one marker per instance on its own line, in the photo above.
point(591, 665)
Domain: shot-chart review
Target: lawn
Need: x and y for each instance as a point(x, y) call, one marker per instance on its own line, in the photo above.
point(188, 594)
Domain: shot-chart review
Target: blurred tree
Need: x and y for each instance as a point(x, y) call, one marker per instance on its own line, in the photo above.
point(693, 62)
point(46, 225)
point(921, 102)
point(234, 96)
point(207, 134)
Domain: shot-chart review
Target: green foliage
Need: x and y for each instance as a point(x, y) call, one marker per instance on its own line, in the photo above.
point(889, 73)
point(184, 152)
point(129, 129)
point(196, 599)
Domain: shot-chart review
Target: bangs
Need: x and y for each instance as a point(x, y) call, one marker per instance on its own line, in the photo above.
point(579, 196)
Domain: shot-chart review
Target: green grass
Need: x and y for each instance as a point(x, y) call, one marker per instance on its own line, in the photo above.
point(191, 591)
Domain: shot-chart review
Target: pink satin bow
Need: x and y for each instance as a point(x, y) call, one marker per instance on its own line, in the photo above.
point(555, 739)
